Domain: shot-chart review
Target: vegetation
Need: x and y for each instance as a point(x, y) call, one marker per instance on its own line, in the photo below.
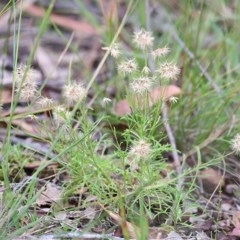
point(139, 149)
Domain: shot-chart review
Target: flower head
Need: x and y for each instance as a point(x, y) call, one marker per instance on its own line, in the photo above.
point(128, 66)
point(25, 76)
point(114, 50)
point(26, 84)
point(173, 99)
point(169, 71)
point(146, 70)
point(141, 149)
point(106, 101)
point(143, 39)
point(74, 92)
point(26, 93)
point(235, 144)
point(45, 102)
point(141, 85)
point(160, 52)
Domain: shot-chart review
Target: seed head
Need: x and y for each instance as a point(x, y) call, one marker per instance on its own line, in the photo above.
point(235, 144)
point(26, 87)
point(114, 50)
point(45, 102)
point(30, 77)
point(169, 71)
point(26, 93)
point(74, 92)
point(127, 67)
point(106, 101)
point(143, 39)
point(173, 99)
point(141, 85)
point(160, 52)
point(146, 70)
point(141, 149)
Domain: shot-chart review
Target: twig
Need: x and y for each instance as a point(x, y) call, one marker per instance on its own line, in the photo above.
point(71, 235)
point(172, 141)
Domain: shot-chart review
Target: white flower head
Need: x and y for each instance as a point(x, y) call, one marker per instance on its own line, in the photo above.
point(235, 144)
point(169, 71)
point(74, 92)
point(160, 52)
point(143, 39)
point(173, 99)
point(25, 76)
point(146, 70)
point(114, 50)
point(45, 102)
point(26, 83)
point(140, 150)
point(26, 93)
point(141, 85)
point(106, 101)
point(128, 66)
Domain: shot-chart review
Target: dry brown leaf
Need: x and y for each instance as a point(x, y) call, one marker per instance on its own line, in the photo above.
point(35, 164)
point(236, 219)
point(79, 26)
point(51, 194)
point(163, 93)
point(211, 179)
point(6, 95)
point(235, 232)
point(157, 94)
point(122, 108)
point(29, 128)
point(236, 223)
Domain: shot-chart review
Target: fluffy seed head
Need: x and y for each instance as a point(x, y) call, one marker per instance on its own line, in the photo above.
point(30, 78)
point(127, 67)
point(146, 70)
point(235, 144)
point(106, 101)
point(74, 92)
point(114, 50)
point(141, 149)
point(45, 102)
point(143, 39)
point(173, 99)
point(26, 84)
point(169, 71)
point(160, 52)
point(141, 85)
point(26, 93)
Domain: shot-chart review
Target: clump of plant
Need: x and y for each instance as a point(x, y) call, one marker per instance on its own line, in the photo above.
point(134, 179)
point(126, 176)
